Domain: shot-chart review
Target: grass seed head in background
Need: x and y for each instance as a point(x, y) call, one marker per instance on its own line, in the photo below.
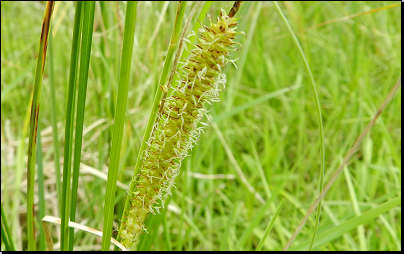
point(177, 129)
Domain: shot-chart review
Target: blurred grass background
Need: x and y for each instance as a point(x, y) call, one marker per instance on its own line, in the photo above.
point(275, 142)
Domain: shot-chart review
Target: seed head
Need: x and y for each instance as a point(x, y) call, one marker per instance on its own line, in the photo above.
point(177, 130)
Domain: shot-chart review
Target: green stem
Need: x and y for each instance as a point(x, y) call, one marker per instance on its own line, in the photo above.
point(319, 117)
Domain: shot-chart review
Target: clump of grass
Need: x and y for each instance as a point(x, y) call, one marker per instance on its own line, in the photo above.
point(267, 132)
point(180, 121)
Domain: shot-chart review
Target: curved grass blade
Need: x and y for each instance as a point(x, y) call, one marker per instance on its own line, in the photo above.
point(127, 50)
point(318, 109)
point(43, 43)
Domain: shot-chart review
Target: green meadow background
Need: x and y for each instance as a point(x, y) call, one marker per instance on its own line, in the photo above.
point(264, 131)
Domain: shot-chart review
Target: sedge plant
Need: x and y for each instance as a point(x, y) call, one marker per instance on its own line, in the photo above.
point(180, 121)
point(279, 157)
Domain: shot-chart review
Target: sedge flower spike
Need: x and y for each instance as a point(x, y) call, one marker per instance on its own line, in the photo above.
point(177, 129)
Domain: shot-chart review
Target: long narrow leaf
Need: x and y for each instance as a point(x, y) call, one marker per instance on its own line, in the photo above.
point(85, 51)
point(43, 43)
point(69, 126)
point(41, 191)
point(127, 50)
point(54, 114)
point(318, 110)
